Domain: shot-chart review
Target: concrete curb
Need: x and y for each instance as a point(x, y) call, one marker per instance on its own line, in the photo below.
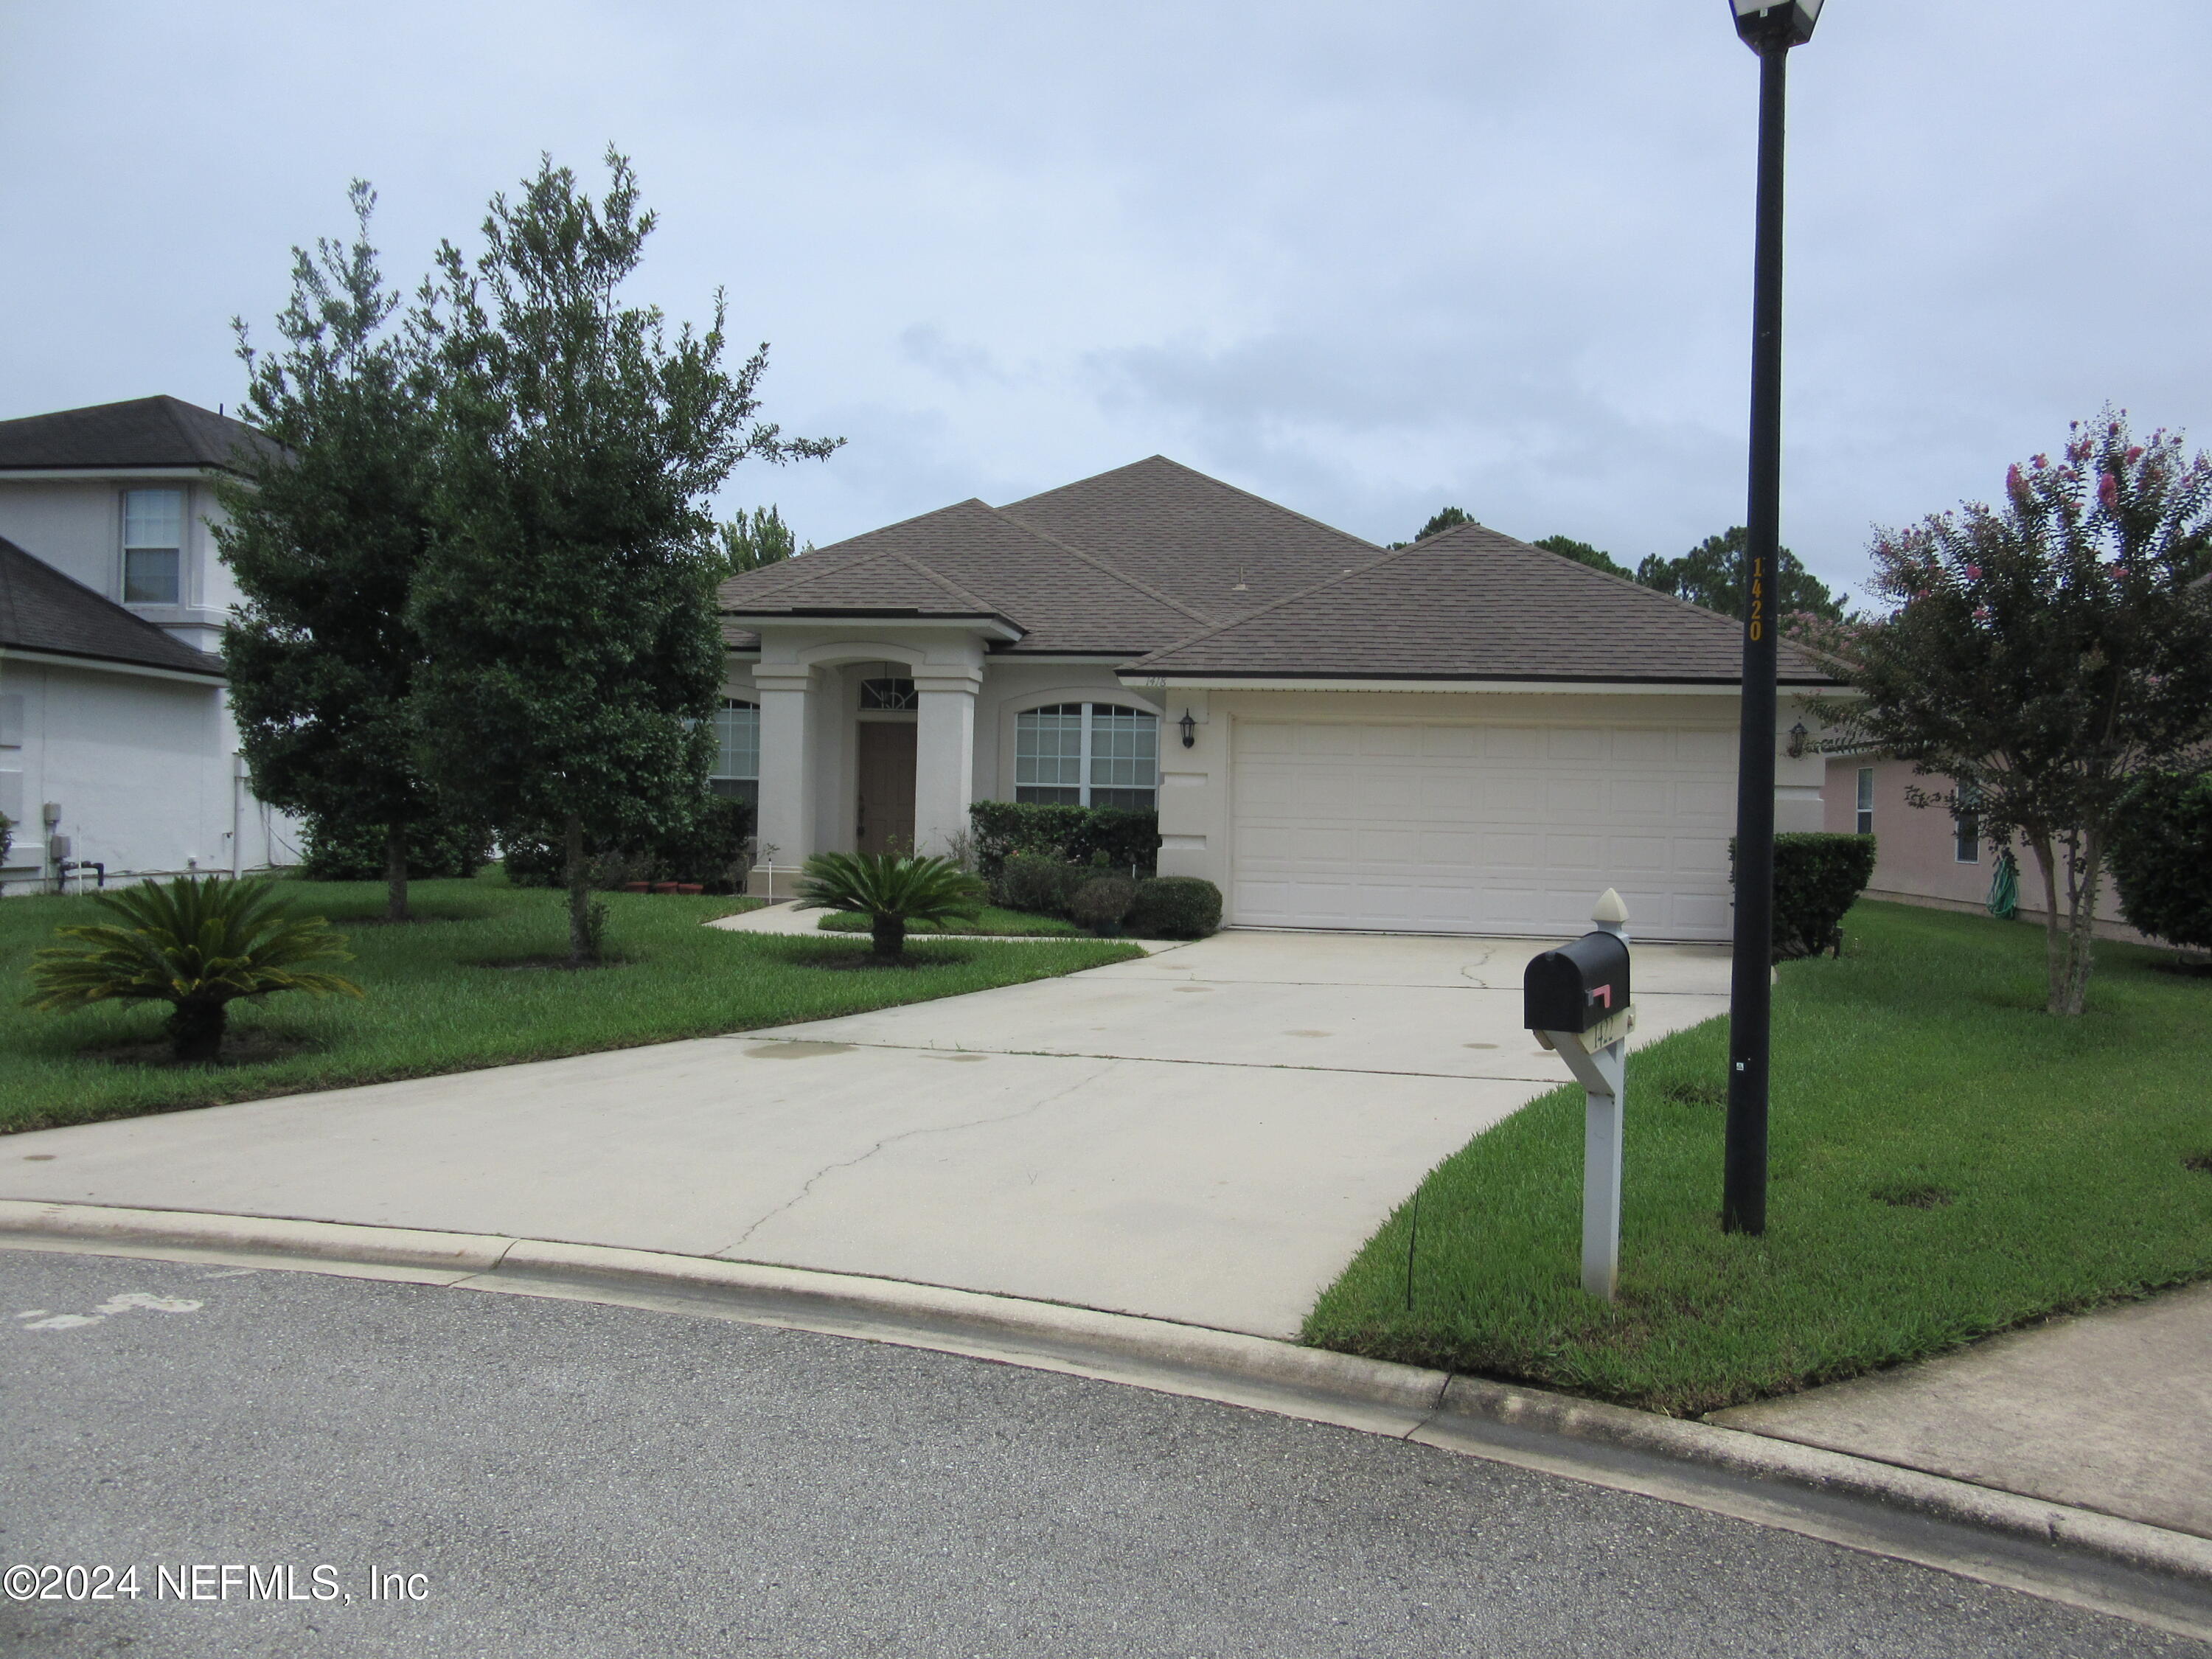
point(1456, 1412)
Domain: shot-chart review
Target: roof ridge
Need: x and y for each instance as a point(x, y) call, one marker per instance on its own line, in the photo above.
point(1099, 561)
point(1239, 620)
point(946, 583)
point(1203, 477)
point(1735, 623)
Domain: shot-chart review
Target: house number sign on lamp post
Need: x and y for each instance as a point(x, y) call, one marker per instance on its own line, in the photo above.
point(1770, 30)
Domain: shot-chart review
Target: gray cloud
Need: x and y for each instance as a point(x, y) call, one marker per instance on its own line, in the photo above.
point(1366, 260)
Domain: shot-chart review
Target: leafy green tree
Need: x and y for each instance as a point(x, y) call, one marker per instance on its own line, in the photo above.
point(1582, 553)
point(2045, 657)
point(2162, 858)
point(1712, 574)
point(568, 604)
point(197, 943)
point(324, 538)
point(890, 889)
point(753, 539)
point(1442, 521)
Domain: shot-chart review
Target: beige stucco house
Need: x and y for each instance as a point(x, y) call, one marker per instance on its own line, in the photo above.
point(1469, 735)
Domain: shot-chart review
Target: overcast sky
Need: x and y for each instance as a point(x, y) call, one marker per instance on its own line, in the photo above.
point(1363, 259)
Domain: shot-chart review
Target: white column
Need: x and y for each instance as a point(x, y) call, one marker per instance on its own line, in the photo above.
point(786, 821)
point(943, 756)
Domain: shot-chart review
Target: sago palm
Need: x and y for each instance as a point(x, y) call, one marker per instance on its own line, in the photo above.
point(891, 891)
point(197, 943)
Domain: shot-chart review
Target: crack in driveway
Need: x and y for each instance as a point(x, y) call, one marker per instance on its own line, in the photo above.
point(799, 1197)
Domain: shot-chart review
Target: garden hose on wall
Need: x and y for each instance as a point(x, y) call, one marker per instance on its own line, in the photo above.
point(2004, 887)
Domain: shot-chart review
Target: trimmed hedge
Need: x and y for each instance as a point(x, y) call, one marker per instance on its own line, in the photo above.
point(1037, 882)
point(709, 848)
point(335, 850)
point(2162, 858)
point(1174, 907)
point(1817, 877)
point(1072, 835)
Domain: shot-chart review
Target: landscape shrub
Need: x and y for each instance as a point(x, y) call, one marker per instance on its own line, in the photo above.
point(2162, 858)
point(1102, 902)
point(1036, 882)
point(1174, 907)
point(338, 849)
point(709, 848)
point(1073, 835)
point(1817, 877)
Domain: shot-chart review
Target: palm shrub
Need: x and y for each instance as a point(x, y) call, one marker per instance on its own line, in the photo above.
point(890, 889)
point(197, 943)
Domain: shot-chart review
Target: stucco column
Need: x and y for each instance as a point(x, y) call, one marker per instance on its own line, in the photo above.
point(943, 756)
point(785, 820)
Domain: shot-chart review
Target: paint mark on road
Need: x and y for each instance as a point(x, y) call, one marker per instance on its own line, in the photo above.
point(129, 1302)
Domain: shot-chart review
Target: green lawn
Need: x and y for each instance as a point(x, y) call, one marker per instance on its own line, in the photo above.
point(431, 1007)
point(990, 919)
point(1947, 1161)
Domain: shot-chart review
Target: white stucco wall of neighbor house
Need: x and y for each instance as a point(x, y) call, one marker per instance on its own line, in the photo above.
point(143, 768)
point(75, 524)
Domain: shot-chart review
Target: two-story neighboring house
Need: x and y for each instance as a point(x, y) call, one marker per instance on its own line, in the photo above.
point(117, 746)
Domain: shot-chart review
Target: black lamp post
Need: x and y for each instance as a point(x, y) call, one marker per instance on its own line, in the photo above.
point(1770, 30)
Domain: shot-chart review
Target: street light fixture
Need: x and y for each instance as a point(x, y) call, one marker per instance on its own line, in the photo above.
point(1771, 30)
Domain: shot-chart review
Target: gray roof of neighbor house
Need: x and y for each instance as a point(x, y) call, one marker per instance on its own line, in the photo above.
point(142, 432)
point(1171, 572)
point(42, 609)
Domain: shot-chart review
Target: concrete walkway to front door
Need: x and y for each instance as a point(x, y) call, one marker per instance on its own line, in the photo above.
point(1206, 1135)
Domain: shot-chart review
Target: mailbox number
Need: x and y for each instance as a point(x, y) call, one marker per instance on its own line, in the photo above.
point(1758, 623)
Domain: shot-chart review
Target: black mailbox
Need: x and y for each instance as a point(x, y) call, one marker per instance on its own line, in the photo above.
point(1577, 986)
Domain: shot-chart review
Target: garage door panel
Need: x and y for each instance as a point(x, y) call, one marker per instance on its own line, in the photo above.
point(1480, 829)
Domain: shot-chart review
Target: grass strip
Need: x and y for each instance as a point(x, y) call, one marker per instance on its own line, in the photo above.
point(458, 990)
point(1947, 1161)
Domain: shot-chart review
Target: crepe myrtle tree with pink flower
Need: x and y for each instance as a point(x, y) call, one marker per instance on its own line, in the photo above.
point(2043, 655)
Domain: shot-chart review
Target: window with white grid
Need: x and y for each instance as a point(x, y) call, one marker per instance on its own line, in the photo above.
point(1074, 754)
point(737, 750)
point(1866, 801)
point(153, 546)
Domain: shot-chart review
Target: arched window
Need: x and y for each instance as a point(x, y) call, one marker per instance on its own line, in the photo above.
point(737, 751)
point(1088, 754)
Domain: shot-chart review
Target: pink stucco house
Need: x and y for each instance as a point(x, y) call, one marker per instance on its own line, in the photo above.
point(1924, 854)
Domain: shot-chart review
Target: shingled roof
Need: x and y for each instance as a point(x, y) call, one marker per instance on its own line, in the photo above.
point(1471, 604)
point(985, 563)
point(42, 609)
point(1174, 573)
point(142, 432)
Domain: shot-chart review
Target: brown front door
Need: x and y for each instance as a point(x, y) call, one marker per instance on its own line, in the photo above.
point(886, 810)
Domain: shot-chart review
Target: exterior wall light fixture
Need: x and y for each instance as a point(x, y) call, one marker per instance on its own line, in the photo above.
point(1797, 736)
point(1189, 729)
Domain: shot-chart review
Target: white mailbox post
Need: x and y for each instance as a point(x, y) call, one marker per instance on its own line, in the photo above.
point(1576, 1001)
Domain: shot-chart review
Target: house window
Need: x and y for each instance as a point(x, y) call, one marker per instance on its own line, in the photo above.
point(894, 696)
point(153, 546)
point(1966, 846)
point(1087, 754)
point(737, 751)
point(1866, 801)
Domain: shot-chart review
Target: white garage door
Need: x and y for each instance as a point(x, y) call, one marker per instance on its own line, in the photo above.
point(1482, 829)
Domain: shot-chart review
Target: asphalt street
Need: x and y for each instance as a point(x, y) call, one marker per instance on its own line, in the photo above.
point(393, 1468)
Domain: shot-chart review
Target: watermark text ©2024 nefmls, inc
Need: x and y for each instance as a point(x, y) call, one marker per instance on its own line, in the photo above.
point(211, 1581)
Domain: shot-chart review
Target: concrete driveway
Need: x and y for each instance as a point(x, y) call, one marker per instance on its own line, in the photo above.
point(1207, 1135)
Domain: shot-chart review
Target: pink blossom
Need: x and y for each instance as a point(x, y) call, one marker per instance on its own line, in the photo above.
point(2134, 454)
point(2039, 462)
point(2108, 491)
point(2013, 479)
point(1973, 573)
